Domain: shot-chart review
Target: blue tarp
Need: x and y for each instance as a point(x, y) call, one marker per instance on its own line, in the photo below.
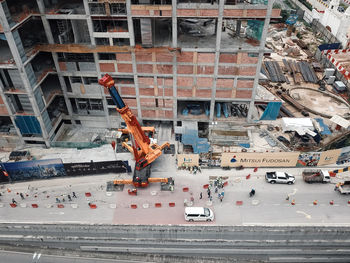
point(199, 145)
point(329, 46)
point(245, 145)
point(324, 127)
point(272, 110)
point(28, 125)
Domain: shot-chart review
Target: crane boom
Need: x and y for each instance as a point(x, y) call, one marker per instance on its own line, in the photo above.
point(144, 151)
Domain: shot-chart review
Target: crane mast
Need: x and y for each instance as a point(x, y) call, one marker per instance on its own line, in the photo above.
point(143, 150)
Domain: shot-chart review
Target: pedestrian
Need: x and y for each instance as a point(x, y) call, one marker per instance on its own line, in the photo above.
point(200, 196)
point(216, 189)
point(74, 195)
point(210, 198)
point(69, 198)
point(14, 201)
point(287, 198)
point(58, 200)
point(63, 200)
point(221, 197)
point(208, 192)
point(22, 196)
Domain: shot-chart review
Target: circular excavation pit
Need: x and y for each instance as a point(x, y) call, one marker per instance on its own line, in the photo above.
point(319, 102)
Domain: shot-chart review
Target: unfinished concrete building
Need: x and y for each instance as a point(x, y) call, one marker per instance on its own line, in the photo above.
point(173, 60)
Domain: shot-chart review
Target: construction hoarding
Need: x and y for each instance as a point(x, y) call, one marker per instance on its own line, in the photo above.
point(36, 169)
point(187, 160)
point(329, 157)
point(278, 159)
point(88, 168)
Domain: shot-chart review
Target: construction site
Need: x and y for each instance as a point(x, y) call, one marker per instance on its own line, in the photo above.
point(143, 110)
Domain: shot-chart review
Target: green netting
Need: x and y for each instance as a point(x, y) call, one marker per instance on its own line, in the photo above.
point(259, 2)
point(255, 29)
point(78, 145)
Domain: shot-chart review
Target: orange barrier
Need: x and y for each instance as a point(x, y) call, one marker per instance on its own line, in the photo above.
point(93, 206)
point(171, 204)
point(158, 204)
point(331, 202)
point(239, 202)
point(35, 205)
point(185, 189)
point(206, 186)
point(87, 194)
point(247, 177)
point(13, 205)
point(133, 206)
point(60, 206)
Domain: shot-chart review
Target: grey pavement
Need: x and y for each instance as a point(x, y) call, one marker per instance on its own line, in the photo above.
point(267, 207)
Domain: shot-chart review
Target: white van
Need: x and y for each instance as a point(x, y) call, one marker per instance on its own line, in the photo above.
point(198, 214)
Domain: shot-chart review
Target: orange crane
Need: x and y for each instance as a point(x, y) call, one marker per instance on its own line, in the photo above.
point(143, 150)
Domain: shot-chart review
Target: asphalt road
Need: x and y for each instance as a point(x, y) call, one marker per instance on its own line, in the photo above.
point(277, 244)
point(37, 257)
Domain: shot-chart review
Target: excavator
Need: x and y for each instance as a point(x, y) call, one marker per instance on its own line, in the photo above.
point(145, 152)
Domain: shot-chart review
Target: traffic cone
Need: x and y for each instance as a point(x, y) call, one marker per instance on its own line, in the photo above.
point(331, 202)
point(315, 202)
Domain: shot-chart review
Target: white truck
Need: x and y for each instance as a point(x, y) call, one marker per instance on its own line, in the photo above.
point(316, 176)
point(343, 188)
point(279, 177)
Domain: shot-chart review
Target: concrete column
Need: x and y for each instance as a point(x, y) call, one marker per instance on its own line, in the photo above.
point(174, 22)
point(63, 86)
point(261, 55)
point(89, 22)
point(104, 100)
point(130, 23)
point(174, 45)
point(217, 55)
point(23, 74)
point(11, 114)
point(133, 57)
point(45, 22)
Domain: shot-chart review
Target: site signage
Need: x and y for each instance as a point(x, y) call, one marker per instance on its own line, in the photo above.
point(329, 157)
point(187, 160)
point(278, 159)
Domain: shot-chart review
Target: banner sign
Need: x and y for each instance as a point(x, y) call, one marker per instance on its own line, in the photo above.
point(308, 159)
point(77, 169)
point(278, 159)
point(187, 160)
point(37, 169)
point(329, 157)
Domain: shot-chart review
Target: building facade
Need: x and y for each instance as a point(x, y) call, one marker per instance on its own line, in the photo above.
point(172, 60)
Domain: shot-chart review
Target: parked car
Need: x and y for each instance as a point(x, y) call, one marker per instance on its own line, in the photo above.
point(198, 214)
point(279, 177)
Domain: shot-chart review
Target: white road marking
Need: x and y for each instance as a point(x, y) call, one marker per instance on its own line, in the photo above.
point(305, 214)
point(56, 213)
